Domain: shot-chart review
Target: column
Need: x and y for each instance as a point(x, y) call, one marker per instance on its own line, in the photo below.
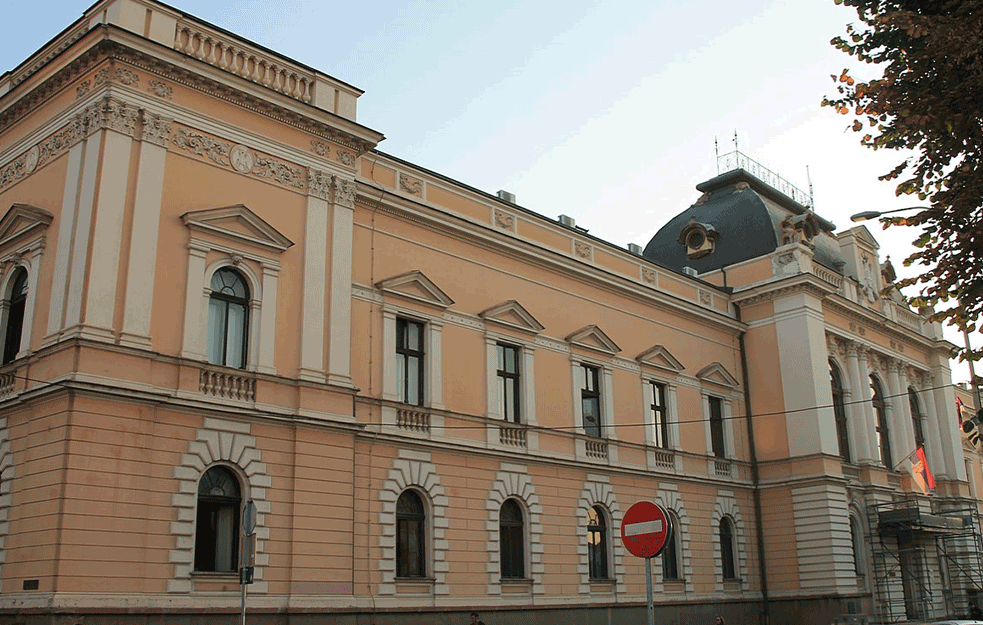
point(107, 230)
point(63, 247)
point(267, 322)
point(901, 418)
point(944, 403)
point(80, 241)
point(315, 264)
point(142, 261)
point(868, 421)
point(342, 232)
point(853, 398)
point(196, 305)
point(933, 444)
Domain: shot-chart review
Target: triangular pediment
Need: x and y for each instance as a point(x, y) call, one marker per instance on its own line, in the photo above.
point(23, 220)
point(864, 236)
point(239, 224)
point(659, 356)
point(593, 337)
point(717, 374)
point(513, 315)
point(416, 286)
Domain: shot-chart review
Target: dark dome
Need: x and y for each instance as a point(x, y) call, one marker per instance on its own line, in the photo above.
point(743, 217)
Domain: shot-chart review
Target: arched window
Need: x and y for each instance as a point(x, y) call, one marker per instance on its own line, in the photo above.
point(839, 411)
point(880, 416)
point(217, 526)
point(856, 538)
point(670, 555)
point(411, 533)
point(511, 540)
point(15, 316)
point(727, 560)
point(228, 319)
point(916, 418)
point(597, 543)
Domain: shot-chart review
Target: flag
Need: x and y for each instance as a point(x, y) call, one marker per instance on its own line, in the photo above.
point(961, 411)
point(920, 472)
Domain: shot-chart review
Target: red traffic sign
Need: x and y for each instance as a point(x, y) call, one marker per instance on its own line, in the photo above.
point(646, 529)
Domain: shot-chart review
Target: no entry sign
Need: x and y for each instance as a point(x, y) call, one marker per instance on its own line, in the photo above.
point(645, 529)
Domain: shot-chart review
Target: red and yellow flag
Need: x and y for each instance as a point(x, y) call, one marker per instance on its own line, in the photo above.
point(920, 472)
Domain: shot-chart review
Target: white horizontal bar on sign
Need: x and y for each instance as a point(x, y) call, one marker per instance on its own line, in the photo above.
point(645, 527)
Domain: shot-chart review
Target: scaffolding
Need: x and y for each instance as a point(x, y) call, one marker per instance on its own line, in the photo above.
point(926, 558)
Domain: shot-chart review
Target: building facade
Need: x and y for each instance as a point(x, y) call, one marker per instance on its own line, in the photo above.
point(216, 289)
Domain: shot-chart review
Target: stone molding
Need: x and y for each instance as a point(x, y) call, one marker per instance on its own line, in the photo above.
point(6, 479)
point(512, 481)
point(230, 444)
point(414, 471)
point(668, 497)
point(240, 158)
point(154, 128)
point(597, 491)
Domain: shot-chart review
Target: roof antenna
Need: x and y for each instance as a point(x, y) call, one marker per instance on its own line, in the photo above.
point(716, 153)
point(736, 148)
point(812, 201)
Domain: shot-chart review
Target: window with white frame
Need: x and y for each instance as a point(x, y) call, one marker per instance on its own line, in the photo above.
point(590, 399)
point(411, 533)
point(410, 372)
point(13, 308)
point(512, 539)
point(228, 319)
point(728, 556)
point(718, 444)
point(509, 388)
point(597, 543)
point(659, 414)
point(670, 554)
point(217, 521)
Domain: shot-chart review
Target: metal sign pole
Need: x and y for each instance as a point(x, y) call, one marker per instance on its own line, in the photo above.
point(248, 552)
point(648, 591)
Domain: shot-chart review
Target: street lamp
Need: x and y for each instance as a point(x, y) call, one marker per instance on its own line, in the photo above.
point(864, 216)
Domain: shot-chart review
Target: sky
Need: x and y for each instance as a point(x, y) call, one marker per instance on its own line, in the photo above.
point(607, 112)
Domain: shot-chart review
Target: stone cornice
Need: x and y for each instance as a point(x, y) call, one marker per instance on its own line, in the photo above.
point(883, 324)
point(798, 282)
point(488, 238)
point(106, 48)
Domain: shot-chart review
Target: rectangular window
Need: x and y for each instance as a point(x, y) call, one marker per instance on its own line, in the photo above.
point(508, 382)
point(717, 427)
point(590, 399)
point(657, 416)
point(409, 361)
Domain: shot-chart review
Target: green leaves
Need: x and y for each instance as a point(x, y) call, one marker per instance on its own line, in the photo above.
point(929, 100)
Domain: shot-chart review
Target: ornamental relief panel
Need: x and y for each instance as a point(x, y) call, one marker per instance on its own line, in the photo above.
point(411, 185)
point(340, 155)
point(107, 113)
point(240, 158)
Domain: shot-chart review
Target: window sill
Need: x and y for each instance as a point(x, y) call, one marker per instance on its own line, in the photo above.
point(602, 585)
point(215, 581)
point(414, 585)
point(516, 586)
point(733, 584)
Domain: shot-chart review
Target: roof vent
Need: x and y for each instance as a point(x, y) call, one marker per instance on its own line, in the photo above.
point(635, 249)
point(568, 221)
point(689, 271)
point(505, 195)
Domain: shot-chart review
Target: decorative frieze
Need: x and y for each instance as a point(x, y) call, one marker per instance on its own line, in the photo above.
point(160, 89)
point(648, 276)
point(504, 220)
point(582, 250)
point(320, 148)
point(318, 184)
point(410, 185)
point(83, 89)
point(155, 129)
point(344, 192)
point(105, 114)
point(346, 158)
point(240, 158)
